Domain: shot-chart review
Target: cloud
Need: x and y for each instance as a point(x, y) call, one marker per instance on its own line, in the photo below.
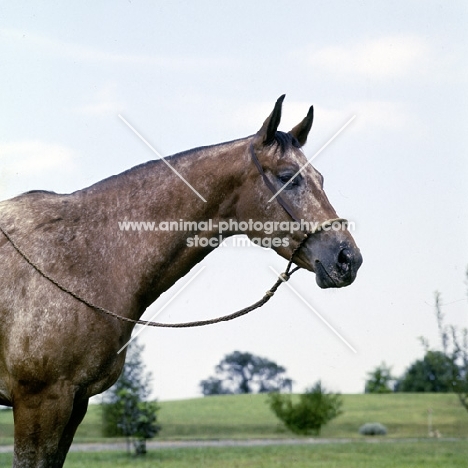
point(56, 48)
point(33, 158)
point(103, 103)
point(383, 58)
point(388, 116)
point(101, 108)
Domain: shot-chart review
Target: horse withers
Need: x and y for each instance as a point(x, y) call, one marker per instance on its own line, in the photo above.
point(56, 351)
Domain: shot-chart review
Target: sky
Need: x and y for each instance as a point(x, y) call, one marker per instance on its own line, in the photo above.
point(193, 73)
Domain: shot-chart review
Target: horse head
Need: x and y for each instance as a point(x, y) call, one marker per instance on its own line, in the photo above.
point(289, 193)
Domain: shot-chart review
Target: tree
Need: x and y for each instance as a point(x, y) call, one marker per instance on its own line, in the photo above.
point(452, 359)
point(246, 373)
point(213, 386)
point(433, 373)
point(454, 343)
point(379, 380)
point(316, 407)
point(126, 411)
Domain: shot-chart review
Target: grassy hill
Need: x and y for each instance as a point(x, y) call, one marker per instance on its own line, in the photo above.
point(248, 416)
point(244, 416)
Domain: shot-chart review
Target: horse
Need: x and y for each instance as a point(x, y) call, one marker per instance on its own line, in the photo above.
point(56, 351)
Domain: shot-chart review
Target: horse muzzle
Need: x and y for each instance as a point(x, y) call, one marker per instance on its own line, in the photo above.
point(342, 272)
point(335, 260)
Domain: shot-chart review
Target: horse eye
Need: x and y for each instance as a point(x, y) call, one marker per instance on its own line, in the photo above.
point(285, 179)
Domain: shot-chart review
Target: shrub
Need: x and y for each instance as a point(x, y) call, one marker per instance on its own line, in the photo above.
point(372, 429)
point(315, 408)
point(380, 380)
point(125, 410)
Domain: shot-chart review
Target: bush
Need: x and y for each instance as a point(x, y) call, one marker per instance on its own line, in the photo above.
point(315, 408)
point(125, 409)
point(372, 429)
point(380, 380)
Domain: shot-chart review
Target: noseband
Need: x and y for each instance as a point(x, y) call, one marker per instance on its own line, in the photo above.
point(282, 278)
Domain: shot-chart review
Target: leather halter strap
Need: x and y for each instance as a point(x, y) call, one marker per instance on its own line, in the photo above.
point(286, 206)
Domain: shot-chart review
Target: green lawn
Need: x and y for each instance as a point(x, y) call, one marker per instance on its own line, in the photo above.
point(248, 416)
point(390, 454)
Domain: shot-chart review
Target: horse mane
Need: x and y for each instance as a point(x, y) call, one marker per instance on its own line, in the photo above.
point(39, 192)
point(283, 140)
point(154, 163)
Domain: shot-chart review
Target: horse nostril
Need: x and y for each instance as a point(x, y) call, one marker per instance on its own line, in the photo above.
point(344, 260)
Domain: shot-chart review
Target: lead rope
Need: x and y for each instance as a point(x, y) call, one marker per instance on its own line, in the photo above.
point(268, 295)
point(225, 318)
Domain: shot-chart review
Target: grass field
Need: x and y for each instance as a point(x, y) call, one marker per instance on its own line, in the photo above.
point(248, 416)
point(393, 454)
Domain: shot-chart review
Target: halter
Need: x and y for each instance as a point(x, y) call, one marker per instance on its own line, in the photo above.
point(287, 207)
point(281, 279)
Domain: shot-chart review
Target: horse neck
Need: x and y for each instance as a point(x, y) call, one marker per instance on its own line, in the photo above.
point(155, 260)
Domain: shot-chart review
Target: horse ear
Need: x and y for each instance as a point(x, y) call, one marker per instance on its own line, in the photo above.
point(301, 131)
point(266, 134)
